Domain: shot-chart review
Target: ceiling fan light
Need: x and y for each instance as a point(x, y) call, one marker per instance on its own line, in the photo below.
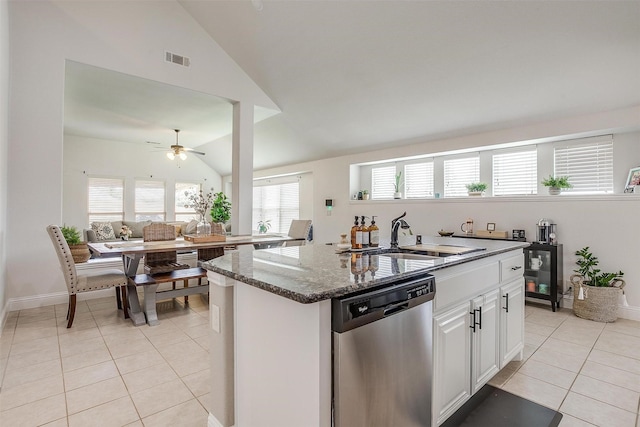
point(170, 155)
point(183, 156)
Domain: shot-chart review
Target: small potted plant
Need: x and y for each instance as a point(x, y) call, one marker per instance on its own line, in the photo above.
point(264, 226)
point(79, 249)
point(556, 184)
point(365, 194)
point(476, 188)
point(595, 293)
point(397, 194)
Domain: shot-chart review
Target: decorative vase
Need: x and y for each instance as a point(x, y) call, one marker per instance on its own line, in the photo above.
point(474, 193)
point(554, 191)
point(397, 195)
point(80, 252)
point(204, 227)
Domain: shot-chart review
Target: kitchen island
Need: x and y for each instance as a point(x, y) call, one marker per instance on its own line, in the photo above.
point(271, 319)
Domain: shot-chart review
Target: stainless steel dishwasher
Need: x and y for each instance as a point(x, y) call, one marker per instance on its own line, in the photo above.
point(382, 356)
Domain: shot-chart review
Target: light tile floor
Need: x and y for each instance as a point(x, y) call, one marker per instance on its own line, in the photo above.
point(106, 372)
point(587, 370)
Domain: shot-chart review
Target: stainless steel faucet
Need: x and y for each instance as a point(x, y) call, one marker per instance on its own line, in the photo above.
point(395, 224)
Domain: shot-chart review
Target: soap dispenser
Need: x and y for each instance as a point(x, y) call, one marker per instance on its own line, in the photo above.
point(365, 233)
point(356, 235)
point(374, 233)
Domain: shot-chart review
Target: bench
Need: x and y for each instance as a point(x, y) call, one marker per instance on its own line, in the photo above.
point(151, 282)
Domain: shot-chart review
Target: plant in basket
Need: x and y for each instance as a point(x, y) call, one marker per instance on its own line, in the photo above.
point(79, 249)
point(596, 293)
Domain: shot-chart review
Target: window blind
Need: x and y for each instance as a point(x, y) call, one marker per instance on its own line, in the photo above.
point(458, 173)
point(383, 181)
point(589, 166)
point(182, 213)
point(149, 200)
point(106, 199)
point(279, 204)
point(515, 173)
point(418, 180)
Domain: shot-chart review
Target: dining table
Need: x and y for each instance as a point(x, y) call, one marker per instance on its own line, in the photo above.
point(133, 251)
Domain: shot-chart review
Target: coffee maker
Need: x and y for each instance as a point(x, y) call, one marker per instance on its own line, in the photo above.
point(546, 232)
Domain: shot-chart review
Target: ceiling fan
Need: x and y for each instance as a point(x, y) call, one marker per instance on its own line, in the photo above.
point(178, 150)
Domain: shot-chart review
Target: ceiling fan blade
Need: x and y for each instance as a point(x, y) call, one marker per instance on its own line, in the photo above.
point(191, 150)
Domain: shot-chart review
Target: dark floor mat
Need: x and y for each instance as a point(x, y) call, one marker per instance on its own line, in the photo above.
point(493, 407)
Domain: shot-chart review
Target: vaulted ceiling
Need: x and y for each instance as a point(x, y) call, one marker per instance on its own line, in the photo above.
point(351, 76)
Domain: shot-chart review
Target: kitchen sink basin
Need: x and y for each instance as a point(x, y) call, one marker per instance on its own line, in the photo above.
point(408, 255)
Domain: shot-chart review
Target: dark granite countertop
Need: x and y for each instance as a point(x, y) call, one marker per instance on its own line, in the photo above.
point(312, 273)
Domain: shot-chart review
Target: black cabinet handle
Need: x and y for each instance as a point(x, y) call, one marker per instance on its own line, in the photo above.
point(480, 317)
point(506, 296)
point(473, 320)
point(516, 267)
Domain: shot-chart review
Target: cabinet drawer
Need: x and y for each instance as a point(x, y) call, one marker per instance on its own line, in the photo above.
point(511, 268)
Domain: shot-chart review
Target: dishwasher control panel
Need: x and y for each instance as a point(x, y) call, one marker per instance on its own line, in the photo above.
point(353, 311)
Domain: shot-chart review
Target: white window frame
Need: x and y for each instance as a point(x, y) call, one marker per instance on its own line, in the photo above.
point(588, 163)
point(105, 202)
point(148, 204)
point(277, 202)
point(418, 180)
point(514, 172)
point(383, 179)
point(454, 181)
point(182, 213)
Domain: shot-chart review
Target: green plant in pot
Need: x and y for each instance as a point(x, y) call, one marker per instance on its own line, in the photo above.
point(476, 188)
point(79, 249)
point(397, 194)
point(221, 208)
point(596, 293)
point(556, 184)
point(264, 226)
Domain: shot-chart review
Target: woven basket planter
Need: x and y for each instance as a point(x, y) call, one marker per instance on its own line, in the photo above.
point(80, 252)
point(600, 303)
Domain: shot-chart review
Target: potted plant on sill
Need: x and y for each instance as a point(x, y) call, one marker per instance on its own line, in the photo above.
point(397, 194)
point(476, 188)
point(596, 294)
point(365, 194)
point(264, 226)
point(79, 249)
point(556, 184)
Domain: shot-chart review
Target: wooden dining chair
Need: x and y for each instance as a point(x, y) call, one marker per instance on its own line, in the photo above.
point(78, 283)
point(162, 262)
point(299, 229)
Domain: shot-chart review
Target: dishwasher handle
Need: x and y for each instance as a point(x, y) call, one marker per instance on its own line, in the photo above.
point(395, 308)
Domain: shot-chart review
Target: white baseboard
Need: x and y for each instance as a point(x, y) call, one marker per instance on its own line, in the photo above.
point(3, 316)
point(212, 421)
point(35, 301)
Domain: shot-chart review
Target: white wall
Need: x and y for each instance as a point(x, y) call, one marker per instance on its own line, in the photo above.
point(128, 37)
point(609, 225)
point(4, 112)
point(85, 157)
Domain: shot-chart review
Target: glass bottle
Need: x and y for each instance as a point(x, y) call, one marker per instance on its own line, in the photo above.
point(374, 233)
point(356, 235)
point(365, 233)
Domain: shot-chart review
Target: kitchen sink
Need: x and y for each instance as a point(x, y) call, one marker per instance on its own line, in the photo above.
point(409, 255)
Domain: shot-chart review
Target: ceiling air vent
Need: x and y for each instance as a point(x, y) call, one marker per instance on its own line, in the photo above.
point(177, 59)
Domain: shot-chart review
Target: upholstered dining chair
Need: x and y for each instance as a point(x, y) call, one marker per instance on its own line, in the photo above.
point(299, 229)
point(78, 283)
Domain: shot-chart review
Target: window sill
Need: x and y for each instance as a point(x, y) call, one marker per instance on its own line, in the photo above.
point(499, 199)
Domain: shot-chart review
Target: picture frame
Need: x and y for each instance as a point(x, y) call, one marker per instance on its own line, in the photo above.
point(491, 226)
point(633, 179)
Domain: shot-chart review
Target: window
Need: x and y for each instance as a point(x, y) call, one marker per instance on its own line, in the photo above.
point(383, 182)
point(418, 180)
point(278, 204)
point(458, 173)
point(106, 199)
point(182, 213)
point(149, 201)
point(588, 164)
point(515, 173)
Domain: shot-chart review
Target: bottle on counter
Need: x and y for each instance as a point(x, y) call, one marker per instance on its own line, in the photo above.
point(365, 233)
point(374, 233)
point(356, 235)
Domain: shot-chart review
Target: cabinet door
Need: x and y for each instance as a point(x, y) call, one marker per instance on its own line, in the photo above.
point(511, 321)
point(451, 367)
point(485, 351)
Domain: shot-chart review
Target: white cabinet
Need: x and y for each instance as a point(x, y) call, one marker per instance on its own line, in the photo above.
point(485, 355)
point(452, 371)
point(475, 332)
point(511, 321)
